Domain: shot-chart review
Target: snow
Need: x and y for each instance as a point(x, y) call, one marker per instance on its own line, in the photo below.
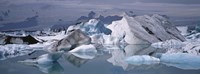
point(181, 60)
point(84, 51)
point(142, 60)
point(144, 29)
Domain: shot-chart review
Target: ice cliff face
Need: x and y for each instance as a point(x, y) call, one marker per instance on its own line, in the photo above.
point(144, 29)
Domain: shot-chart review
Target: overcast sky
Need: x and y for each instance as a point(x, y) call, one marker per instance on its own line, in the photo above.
point(52, 10)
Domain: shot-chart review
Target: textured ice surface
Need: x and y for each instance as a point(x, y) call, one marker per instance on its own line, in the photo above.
point(144, 29)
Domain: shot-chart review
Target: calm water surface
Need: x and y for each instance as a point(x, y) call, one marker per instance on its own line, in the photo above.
point(70, 64)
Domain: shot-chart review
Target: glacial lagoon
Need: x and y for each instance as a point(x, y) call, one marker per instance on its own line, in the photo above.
point(105, 62)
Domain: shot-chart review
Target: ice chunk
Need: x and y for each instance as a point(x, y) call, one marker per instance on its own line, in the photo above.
point(84, 51)
point(181, 60)
point(74, 39)
point(142, 60)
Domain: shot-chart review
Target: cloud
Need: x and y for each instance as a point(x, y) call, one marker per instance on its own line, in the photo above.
point(72, 9)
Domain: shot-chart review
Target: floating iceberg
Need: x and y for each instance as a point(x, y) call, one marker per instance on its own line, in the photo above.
point(144, 29)
point(142, 60)
point(181, 60)
point(74, 39)
point(93, 26)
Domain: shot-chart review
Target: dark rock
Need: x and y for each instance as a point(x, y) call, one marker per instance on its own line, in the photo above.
point(6, 39)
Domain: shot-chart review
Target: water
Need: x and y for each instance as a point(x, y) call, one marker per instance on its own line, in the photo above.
point(107, 62)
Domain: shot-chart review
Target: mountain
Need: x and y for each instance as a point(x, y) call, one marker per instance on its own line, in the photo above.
point(28, 22)
point(104, 19)
point(144, 29)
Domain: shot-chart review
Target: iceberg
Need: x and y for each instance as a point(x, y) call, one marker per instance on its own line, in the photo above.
point(75, 38)
point(176, 46)
point(93, 26)
point(142, 60)
point(144, 29)
point(181, 60)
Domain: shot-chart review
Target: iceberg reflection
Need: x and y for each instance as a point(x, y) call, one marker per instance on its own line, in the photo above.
point(118, 56)
point(76, 61)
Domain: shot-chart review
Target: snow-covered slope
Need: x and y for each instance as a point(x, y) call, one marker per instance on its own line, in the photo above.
point(144, 29)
